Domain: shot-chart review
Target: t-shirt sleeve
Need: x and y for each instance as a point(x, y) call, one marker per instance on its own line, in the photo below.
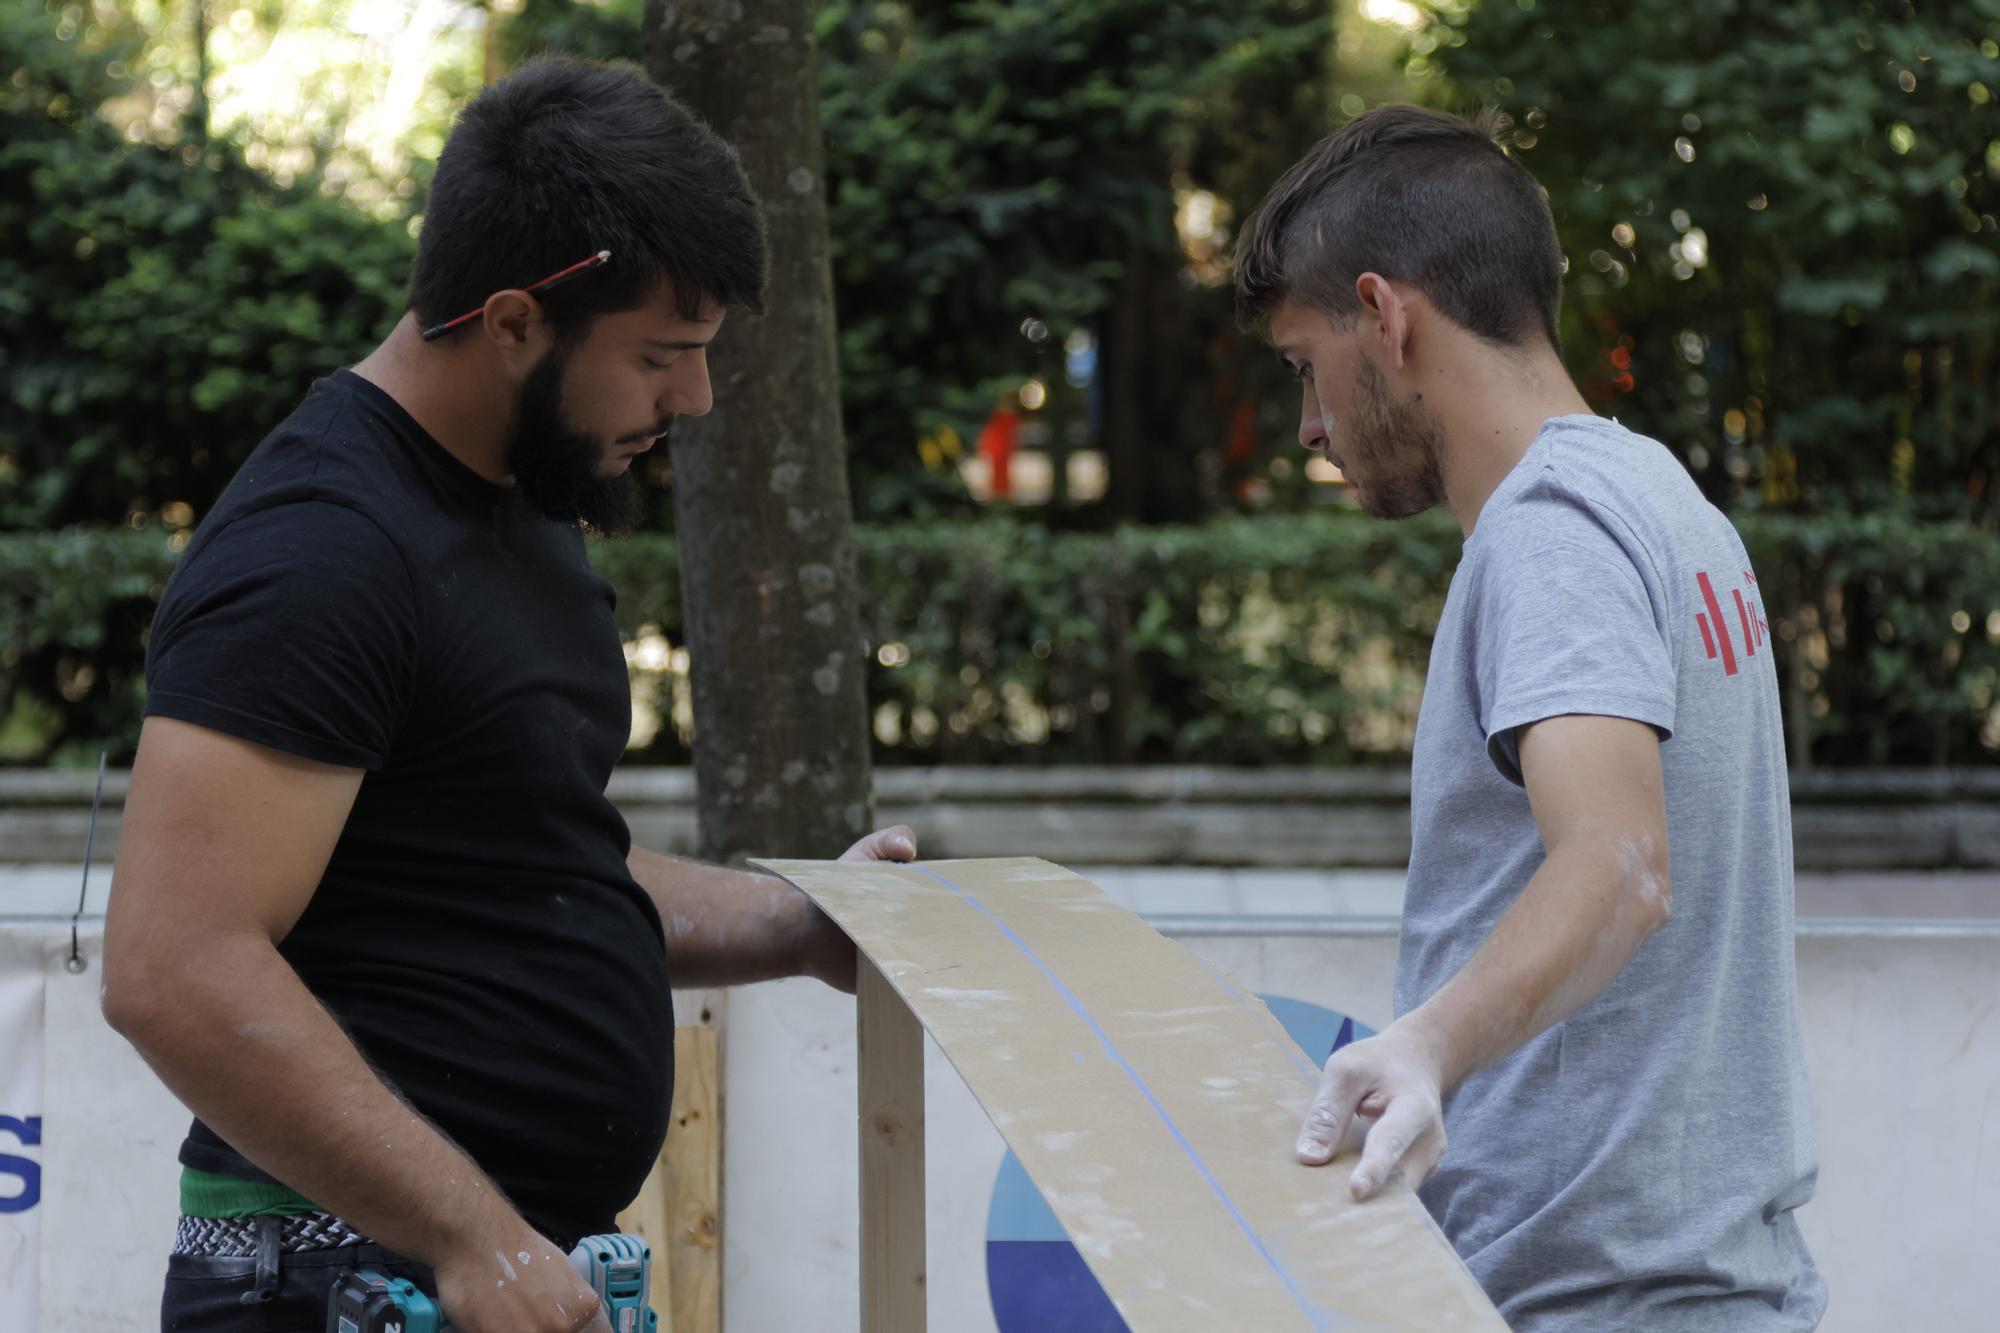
point(1568, 626)
point(294, 627)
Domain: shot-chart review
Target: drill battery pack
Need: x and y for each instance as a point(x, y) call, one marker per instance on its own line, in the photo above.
point(618, 1268)
point(367, 1302)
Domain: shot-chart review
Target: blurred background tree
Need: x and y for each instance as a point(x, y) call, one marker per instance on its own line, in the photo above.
point(1783, 255)
point(1007, 181)
point(163, 301)
point(1781, 224)
point(1015, 188)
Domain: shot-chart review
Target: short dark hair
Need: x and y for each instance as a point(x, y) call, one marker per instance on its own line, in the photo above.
point(1418, 196)
point(564, 158)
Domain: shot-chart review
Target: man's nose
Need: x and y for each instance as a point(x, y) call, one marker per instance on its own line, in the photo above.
point(1312, 426)
point(690, 395)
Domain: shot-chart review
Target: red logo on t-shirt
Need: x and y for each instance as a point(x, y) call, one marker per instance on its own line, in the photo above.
point(1715, 632)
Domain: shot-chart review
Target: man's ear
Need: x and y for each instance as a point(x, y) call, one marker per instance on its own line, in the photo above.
point(513, 323)
point(1386, 314)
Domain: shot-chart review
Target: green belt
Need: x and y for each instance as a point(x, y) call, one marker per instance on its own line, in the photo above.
point(205, 1194)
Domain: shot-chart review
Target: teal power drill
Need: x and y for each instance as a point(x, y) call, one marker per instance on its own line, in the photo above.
point(618, 1269)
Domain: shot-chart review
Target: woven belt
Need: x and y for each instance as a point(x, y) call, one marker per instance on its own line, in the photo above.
point(238, 1237)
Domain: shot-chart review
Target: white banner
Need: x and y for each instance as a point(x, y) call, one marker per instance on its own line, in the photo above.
point(20, 1127)
point(1898, 1031)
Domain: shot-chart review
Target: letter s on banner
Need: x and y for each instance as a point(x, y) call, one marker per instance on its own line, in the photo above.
point(27, 1169)
point(25, 952)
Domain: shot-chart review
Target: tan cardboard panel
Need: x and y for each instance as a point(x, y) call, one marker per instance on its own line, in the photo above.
point(1154, 1102)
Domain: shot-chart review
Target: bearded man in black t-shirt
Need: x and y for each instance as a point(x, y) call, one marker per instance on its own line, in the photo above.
point(375, 920)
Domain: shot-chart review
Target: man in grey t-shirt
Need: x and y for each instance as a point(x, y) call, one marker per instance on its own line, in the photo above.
point(1595, 993)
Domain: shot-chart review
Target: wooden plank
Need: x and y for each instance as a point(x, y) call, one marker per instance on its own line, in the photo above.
point(679, 1212)
point(694, 1168)
point(1154, 1103)
point(647, 1218)
point(891, 1077)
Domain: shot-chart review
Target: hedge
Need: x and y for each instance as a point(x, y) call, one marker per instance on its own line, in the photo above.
point(1294, 640)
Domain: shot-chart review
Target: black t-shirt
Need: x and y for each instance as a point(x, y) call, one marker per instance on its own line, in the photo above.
point(360, 597)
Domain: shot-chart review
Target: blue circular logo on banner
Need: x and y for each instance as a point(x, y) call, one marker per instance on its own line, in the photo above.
point(1039, 1283)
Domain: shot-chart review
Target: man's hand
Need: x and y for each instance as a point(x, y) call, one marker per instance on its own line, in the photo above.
point(824, 949)
point(1396, 1076)
point(895, 843)
point(520, 1284)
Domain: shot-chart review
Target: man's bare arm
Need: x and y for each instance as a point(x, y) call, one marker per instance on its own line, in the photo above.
point(731, 927)
point(224, 843)
point(1599, 801)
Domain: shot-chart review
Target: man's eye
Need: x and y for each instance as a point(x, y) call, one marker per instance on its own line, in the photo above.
point(658, 365)
point(1305, 372)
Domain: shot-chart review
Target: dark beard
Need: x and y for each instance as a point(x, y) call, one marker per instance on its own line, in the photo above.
point(1404, 447)
point(555, 466)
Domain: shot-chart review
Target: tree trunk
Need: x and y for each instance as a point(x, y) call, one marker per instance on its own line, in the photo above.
point(760, 484)
point(494, 52)
point(1155, 426)
point(197, 112)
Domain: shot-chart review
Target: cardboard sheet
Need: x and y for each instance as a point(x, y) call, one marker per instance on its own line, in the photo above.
point(1152, 1100)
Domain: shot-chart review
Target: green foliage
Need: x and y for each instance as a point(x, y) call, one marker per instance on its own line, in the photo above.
point(600, 30)
point(1888, 635)
point(74, 608)
point(1235, 642)
point(161, 309)
point(1780, 221)
point(993, 164)
point(170, 302)
point(1804, 304)
point(1275, 640)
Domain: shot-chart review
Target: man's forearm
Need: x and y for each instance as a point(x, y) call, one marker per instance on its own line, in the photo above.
point(247, 1048)
point(724, 927)
point(1575, 926)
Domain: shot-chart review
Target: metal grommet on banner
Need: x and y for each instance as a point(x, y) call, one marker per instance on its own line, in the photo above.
point(75, 964)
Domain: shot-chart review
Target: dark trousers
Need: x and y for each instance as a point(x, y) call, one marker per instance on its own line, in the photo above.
point(271, 1292)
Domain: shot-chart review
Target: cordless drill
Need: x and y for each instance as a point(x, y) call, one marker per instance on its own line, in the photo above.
point(618, 1269)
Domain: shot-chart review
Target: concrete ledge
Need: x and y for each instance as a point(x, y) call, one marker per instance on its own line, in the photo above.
point(1856, 820)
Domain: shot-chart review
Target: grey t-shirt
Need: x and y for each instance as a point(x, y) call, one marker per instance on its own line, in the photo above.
point(1636, 1166)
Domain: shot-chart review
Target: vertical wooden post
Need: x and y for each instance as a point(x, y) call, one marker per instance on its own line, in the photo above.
point(646, 1218)
point(891, 1047)
point(679, 1212)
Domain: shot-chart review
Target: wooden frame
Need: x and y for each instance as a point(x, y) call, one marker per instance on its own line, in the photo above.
point(679, 1209)
point(891, 1104)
